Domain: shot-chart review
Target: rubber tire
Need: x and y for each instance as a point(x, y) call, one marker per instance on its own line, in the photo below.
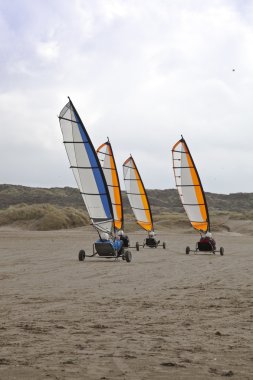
point(137, 245)
point(128, 256)
point(164, 245)
point(187, 250)
point(81, 255)
point(221, 251)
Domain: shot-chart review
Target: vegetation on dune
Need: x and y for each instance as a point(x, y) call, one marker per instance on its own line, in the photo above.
point(15, 194)
point(171, 220)
point(160, 200)
point(56, 208)
point(43, 217)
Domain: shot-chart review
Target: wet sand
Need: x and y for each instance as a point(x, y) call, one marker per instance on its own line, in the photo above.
point(165, 315)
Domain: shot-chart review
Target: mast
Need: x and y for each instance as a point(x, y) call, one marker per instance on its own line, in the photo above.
point(201, 186)
point(137, 195)
point(190, 187)
point(145, 192)
point(105, 151)
point(86, 168)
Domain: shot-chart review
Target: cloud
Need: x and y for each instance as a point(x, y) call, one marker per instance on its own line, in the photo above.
point(142, 73)
point(48, 50)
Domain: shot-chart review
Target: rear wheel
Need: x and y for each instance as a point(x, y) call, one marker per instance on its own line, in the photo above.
point(81, 255)
point(137, 245)
point(128, 256)
point(187, 250)
point(221, 251)
point(164, 245)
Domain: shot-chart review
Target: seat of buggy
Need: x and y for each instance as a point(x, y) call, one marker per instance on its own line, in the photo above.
point(205, 246)
point(151, 242)
point(105, 249)
point(125, 241)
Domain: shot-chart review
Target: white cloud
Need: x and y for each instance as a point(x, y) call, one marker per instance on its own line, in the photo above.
point(48, 50)
point(141, 73)
point(113, 9)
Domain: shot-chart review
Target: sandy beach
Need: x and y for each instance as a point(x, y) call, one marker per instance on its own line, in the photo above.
point(165, 315)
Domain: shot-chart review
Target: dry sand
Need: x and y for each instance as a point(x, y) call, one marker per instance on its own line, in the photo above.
point(163, 316)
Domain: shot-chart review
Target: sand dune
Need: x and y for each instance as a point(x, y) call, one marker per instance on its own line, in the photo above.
point(163, 316)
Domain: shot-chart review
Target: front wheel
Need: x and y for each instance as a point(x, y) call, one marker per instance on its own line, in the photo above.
point(164, 245)
point(128, 256)
point(221, 251)
point(137, 245)
point(187, 250)
point(81, 255)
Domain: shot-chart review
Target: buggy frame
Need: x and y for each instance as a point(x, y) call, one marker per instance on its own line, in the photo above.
point(106, 250)
point(204, 247)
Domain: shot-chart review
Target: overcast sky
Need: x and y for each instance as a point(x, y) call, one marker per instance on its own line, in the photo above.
point(141, 72)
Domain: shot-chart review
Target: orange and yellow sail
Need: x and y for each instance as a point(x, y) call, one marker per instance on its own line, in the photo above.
point(189, 187)
point(107, 161)
point(137, 195)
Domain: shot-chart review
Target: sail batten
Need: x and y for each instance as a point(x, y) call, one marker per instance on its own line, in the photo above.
point(137, 195)
point(189, 187)
point(107, 162)
point(86, 168)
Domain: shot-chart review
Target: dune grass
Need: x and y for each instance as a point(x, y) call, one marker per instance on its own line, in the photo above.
point(43, 217)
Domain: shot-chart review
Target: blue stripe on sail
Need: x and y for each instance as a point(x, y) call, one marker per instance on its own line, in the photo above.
point(99, 182)
point(96, 171)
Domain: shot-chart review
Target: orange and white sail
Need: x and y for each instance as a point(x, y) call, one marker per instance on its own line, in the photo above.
point(189, 187)
point(107, 161)
point(137, 195)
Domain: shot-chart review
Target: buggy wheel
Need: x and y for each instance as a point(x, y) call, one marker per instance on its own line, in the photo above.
point(137, 245)
point(187, 250)
point(128, 256)
point(164, 245)
point(123, 256)
point(81, 255)
point(221, 251)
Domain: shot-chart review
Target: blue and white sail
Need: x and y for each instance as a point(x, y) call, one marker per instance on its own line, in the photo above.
point(87, 170)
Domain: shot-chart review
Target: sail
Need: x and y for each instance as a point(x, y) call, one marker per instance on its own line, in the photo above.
point(189, 187)
point(137, 195)
point(107, 161)
point(86, 168)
